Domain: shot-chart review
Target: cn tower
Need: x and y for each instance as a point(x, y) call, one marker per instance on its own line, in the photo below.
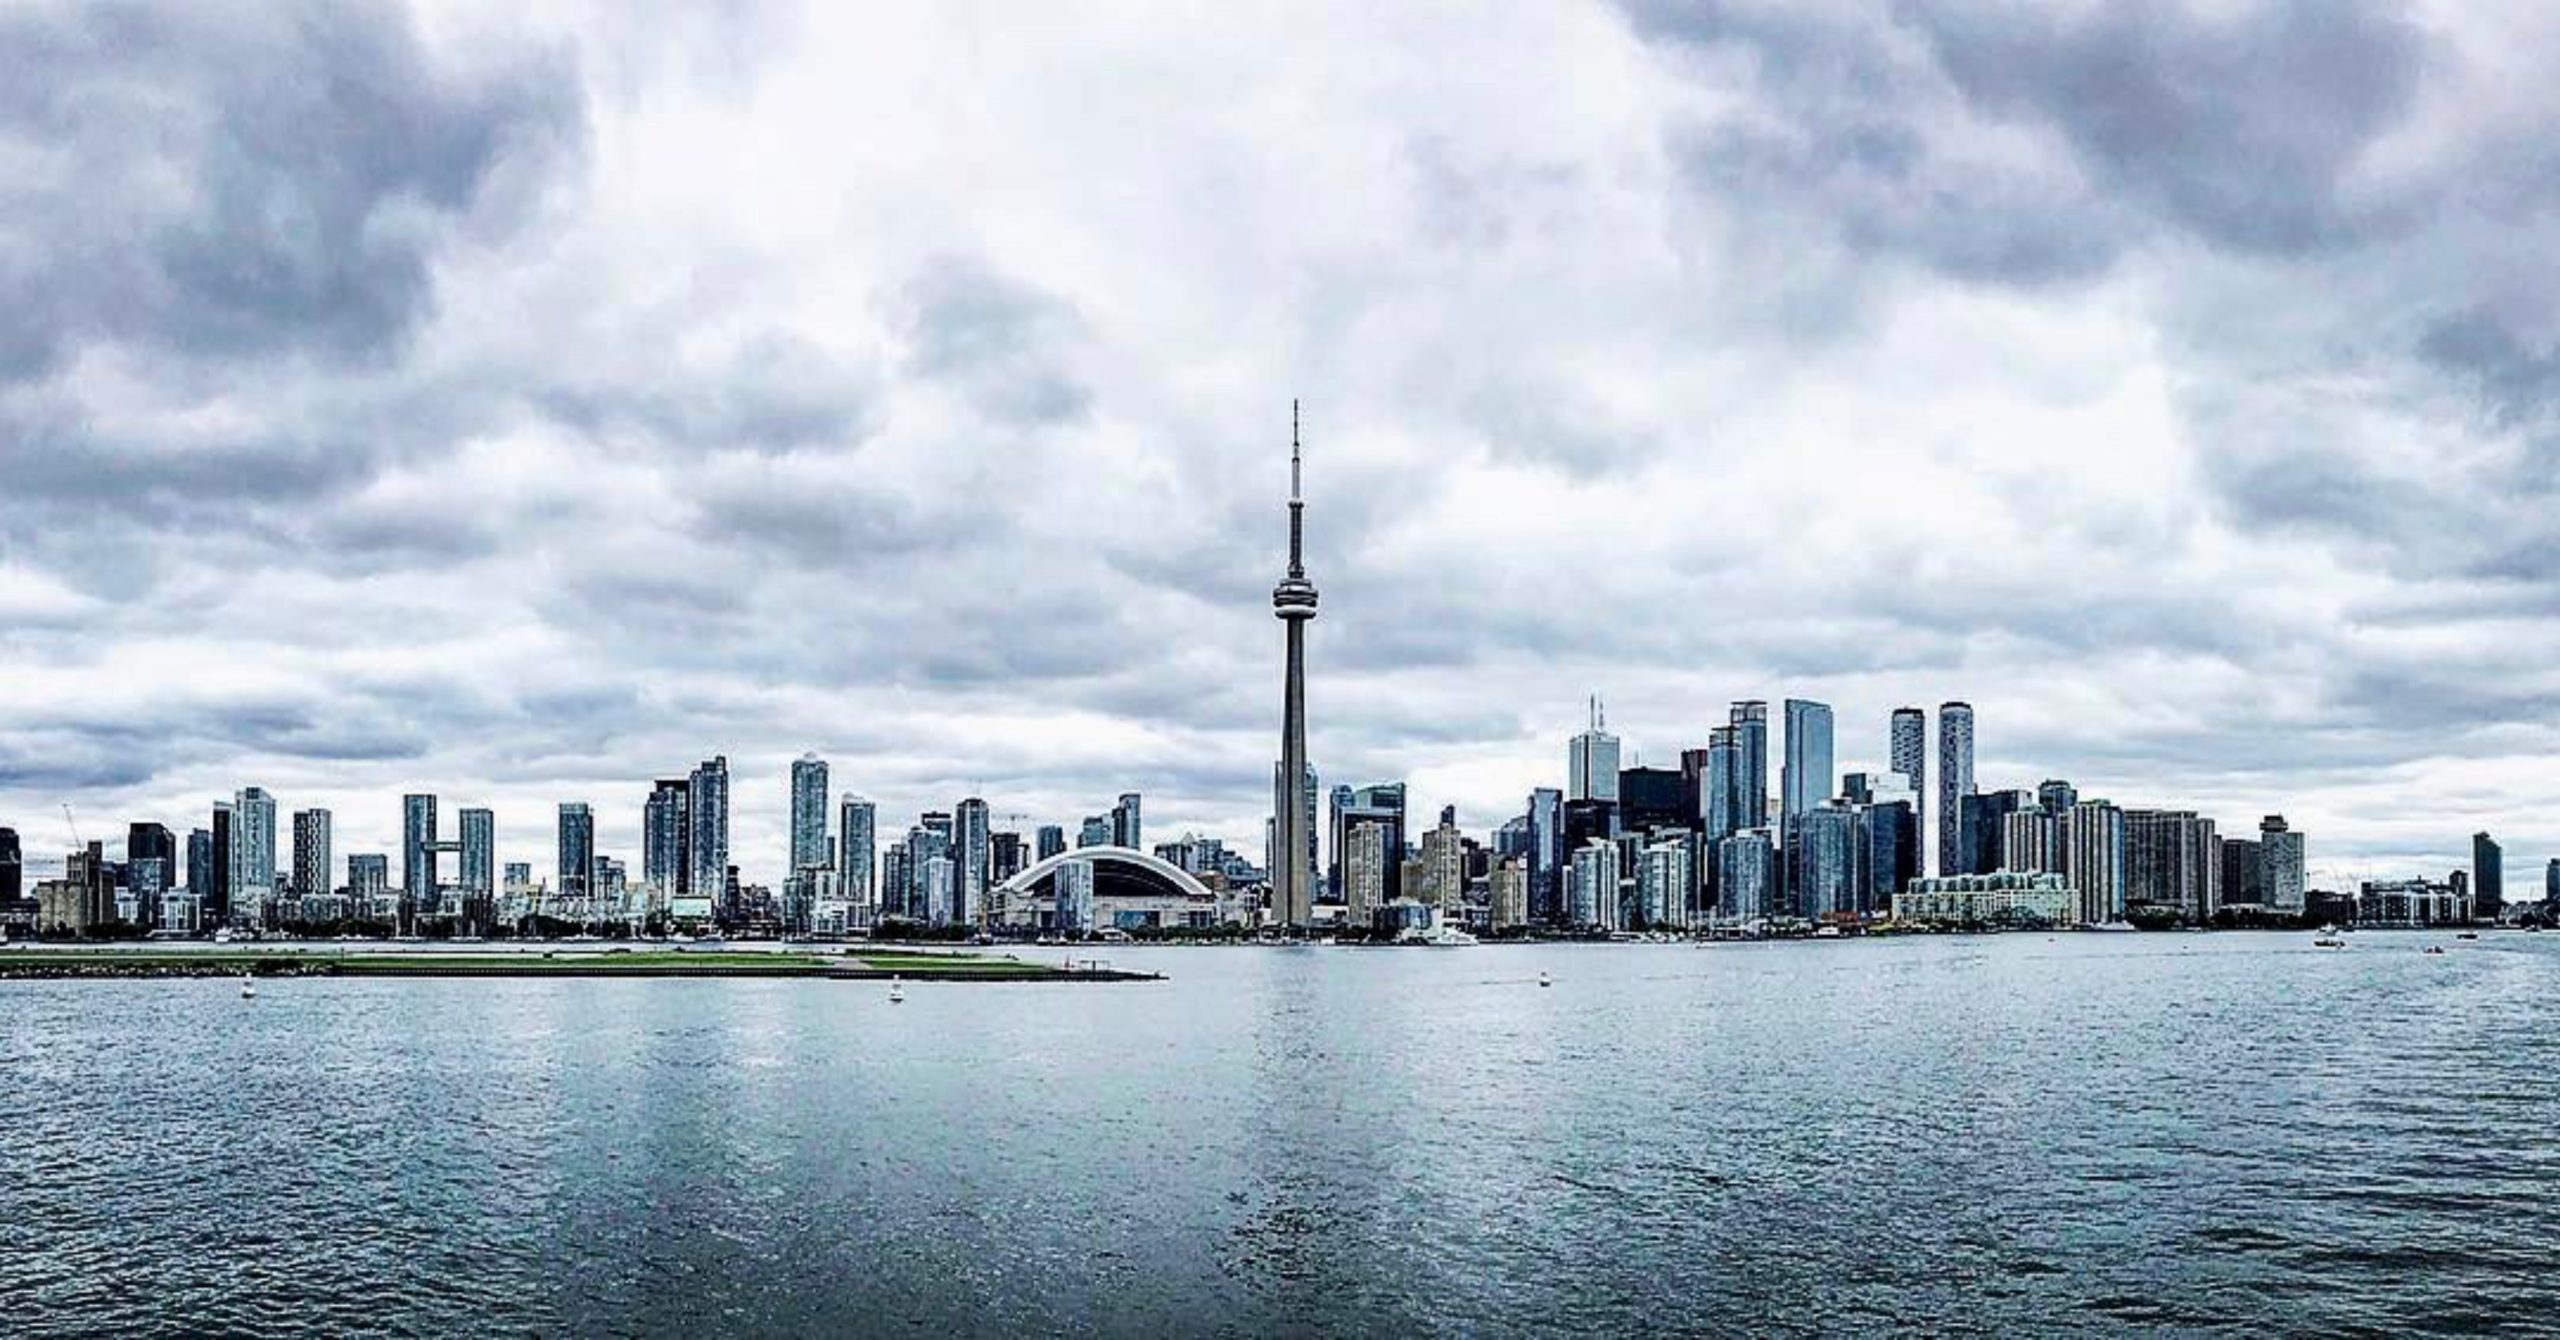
point(1293, 601)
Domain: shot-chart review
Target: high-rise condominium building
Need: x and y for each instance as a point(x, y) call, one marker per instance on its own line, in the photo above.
point(216, 908)
point(253, 856)
point(1746, 877)
point(1750, 721)
point(2095, 848)
point(313, 870)
point(479, 874)
point(1805, 781)
point(1720, 804)
point(808, 815)
point(1825, 840)
point(2171, 863)
point(1955, 781)
point(971, 850)
point(1591, 761)
point(1907, 754)
point(2280, 864)
point(418, 851)
point(857, 848)
point(1126, 831)
point(1592, 885)
point(666, 839)
point(1444, 869)
point(1052, 841)
point(577, 849)
point(707, 833)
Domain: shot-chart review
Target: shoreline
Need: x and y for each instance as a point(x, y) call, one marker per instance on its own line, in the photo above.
point(71, 963)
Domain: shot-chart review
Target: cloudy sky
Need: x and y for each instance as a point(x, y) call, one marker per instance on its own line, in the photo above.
point(520, 406)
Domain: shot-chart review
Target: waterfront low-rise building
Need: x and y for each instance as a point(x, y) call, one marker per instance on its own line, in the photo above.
point(2009, 897)
point(2412, 902)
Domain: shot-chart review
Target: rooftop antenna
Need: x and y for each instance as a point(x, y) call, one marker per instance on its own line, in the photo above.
point(1297, 502)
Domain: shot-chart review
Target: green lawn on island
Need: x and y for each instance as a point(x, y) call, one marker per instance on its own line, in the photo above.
point(528, 962)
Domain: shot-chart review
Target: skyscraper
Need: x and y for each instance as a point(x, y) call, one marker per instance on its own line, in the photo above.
point(200, 874)
point(1955, 781)
point(1444, 872)
point(13, 875)
point(2095, 846)
point(1746, 877)
point(1591, 761)
point(970, 851)
point(1907, 753)
point(1805, 781)
point(666, 839)
point(577, 849)
point(1807, 778)
point(253, 856)
point(857, 848)
point(1125, 828)
point(1722, 801)
point(707, 833)
point(1052, 841)
point(2279, 864)
point(2488, 876)
point(2170, 864)
point(479, 873)
point(1293, 601)
point(808, 815)
point(1825, 839)
point(1364, 870)
point(216, 907)
point(313, 872)
point(418, 853)
point(1546, 855)
point(1750, 720)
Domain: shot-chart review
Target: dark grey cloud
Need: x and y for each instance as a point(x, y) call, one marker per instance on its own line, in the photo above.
point(2238, 123)
point(773, 394)
point(249, 182)
point(1005, 344)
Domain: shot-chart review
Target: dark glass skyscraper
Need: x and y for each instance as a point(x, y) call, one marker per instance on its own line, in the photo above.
point(1955, 782)
point(577, 849)
point(707, 833)
point(666, 839)
point(1750, 721)
point(2488, 876)
point(1546, 855)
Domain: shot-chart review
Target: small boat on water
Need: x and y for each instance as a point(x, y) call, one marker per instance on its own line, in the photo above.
point(1544, 979)
point(2329, 942)
point(2468, 935)
point(896, 992)
point(2432, 949)
point(248, 989)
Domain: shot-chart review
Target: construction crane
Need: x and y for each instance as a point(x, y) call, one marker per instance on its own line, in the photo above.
point(73, 825)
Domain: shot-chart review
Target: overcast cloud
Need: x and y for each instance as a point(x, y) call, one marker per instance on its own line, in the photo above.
point(521, 408)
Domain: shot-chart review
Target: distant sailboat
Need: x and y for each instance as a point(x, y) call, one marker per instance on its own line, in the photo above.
point(896, 992)
point(248, 989)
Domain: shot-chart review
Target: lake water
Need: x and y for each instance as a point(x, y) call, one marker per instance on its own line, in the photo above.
point(2020, 1132)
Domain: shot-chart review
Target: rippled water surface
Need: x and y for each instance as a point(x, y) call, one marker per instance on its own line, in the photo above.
point(1998, 1134)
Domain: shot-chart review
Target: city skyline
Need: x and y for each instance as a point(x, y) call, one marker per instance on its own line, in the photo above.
point(623, 415)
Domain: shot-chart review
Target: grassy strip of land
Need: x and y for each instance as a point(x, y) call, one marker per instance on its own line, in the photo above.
point(95, 963)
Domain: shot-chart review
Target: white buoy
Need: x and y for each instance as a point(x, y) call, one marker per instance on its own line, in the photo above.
point(1544, 979)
